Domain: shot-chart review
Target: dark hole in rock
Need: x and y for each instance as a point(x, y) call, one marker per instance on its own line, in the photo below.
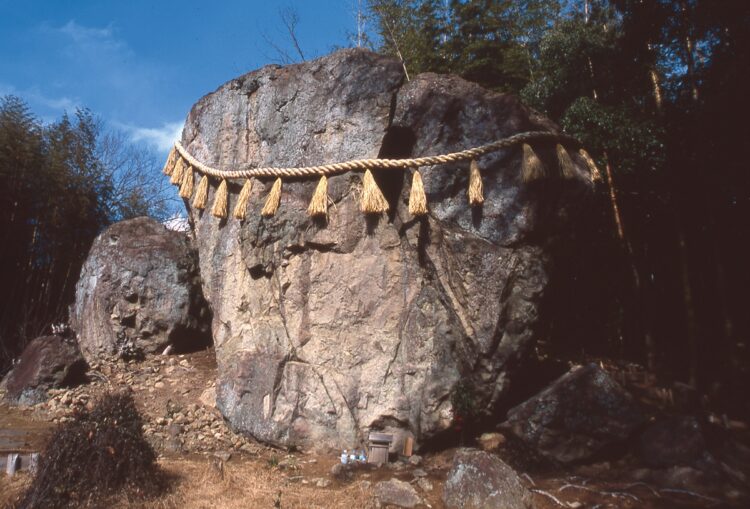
point(128, 321)
point(398, 142)
point(188, 340)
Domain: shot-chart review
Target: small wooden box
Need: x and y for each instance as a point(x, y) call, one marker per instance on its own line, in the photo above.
point(380, 443)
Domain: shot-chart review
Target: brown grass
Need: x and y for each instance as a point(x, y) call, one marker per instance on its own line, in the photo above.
point(208, 483)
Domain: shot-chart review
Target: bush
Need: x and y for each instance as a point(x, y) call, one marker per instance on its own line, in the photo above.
point(99, 454)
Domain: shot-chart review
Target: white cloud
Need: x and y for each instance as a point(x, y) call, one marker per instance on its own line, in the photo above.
point(34, 97)
point(82, 33)
point(161, 138)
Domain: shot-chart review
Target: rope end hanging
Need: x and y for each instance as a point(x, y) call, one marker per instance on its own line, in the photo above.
point(171, 159)
point(201, 195)
point(240, 210)
point(373, 201)
point(417, 196)
point(476, 189)
point(186, 187)
point(532, 167)
point(273, 200)
point(567, 167)
point(179, 167)
point(319, 202)
point(596, 175)
point(220, 201)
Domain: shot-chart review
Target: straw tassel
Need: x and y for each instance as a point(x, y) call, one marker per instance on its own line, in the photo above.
point(201, 195)
point(220, 201)
point(476, 189)
point(171, 159)
point(532, 167)
point(319, 202)
point(179, 168)
point(240, 209)
point(417, 196)
point(273, 200)
point(596, 175)
point(567, 167)
point(186, 188)
point(373, 201)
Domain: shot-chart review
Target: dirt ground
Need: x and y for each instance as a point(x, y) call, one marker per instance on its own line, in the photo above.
point(212, 467)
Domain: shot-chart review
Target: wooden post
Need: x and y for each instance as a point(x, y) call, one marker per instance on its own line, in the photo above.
point(408, 446)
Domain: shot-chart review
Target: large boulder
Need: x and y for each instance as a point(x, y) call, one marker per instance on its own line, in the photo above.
point(577, 416)
point(48, 362)
point(480, 480)
point(325, 330)
point(139, 291)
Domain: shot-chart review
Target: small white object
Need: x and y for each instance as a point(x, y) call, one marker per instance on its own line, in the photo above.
point(344, 457)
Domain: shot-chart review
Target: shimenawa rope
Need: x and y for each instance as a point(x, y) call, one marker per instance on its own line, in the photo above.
point(373, 164)
point(180, 165)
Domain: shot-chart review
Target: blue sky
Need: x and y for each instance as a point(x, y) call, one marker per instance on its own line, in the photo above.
point(140, 65)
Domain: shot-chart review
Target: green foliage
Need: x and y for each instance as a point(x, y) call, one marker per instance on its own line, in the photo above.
point(60, 185)
point(490, 42)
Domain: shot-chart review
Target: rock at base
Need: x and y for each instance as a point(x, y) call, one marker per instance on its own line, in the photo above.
point(576, 416)
point(398, 493)
point(480, 480)
point(48, 362)
point(139, 292)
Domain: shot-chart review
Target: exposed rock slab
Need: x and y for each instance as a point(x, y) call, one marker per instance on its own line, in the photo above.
point(327, 330)
point(48, 362)
point(480, 480)
point(139, 291)
point(576, 416)
point(397, 493)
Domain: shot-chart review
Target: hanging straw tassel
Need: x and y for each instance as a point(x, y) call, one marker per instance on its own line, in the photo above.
point(241, 208)
point(179, 168)
point(476, 189)
point(417, 196)
point(596, 176)
point(186, 188)
point(319, 202)
point(201, 195)
point(220, 201)
point(171, 159)
point(273, 200)
point(567, 167)
point(373, 201)
point(532, 167)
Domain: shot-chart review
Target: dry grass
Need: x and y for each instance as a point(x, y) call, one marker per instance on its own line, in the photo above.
point(208, 483)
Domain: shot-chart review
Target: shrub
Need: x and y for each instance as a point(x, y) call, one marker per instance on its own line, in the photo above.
point(95, 456)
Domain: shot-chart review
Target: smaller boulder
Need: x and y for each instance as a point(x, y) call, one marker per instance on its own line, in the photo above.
point(673, 441)
point(576, 416)
point(48, 362)
point(398, 493)
point(139, 292)
point(480, 480)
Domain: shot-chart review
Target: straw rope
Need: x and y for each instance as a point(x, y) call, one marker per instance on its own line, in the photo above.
point(371, 164)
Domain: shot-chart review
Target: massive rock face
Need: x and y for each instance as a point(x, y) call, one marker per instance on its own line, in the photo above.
point(326, 330)
point(139, 291)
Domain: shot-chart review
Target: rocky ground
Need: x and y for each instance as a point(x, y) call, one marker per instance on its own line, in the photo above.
point(211, 466)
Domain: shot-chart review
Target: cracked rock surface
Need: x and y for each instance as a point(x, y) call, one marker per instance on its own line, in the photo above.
point(326, 330)
point(139, 291)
